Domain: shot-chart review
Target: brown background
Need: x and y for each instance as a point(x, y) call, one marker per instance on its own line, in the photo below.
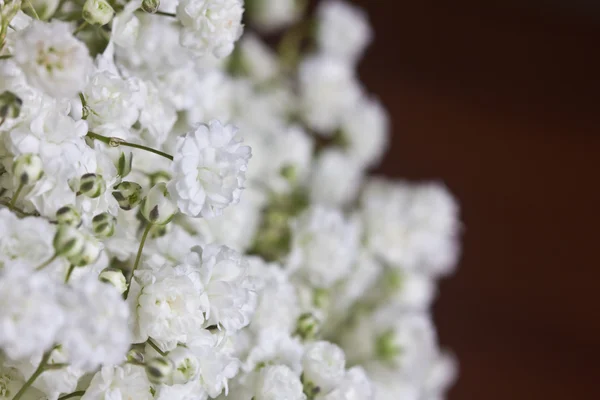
point(502, 102)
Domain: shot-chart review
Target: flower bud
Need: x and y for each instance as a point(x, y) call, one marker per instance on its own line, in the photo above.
point(27, 169)
point(124, 164)
point(135, 356)
point(68, 241)
point(150, 6)
point(97, 12)
point(157, 206)
point(103, 225)
point(92, 185)
point(88, 255)
point(386, 347)
point(159, 370)
point(127, 194)
point(10, 105)
point(308, 326)
point(68, 215)
point(115, 277)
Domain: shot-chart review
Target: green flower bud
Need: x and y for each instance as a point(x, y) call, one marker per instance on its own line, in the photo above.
point(386, 347)
point(115, 277)
point(97, 12)
point(10, 105)
point(159, 370)
point(88, 255)
point(127, 194)
point(103, 225)
point(92, 185)
point(157, 206)
point(68, 215)
point(150, 6)
point(135, 356)
point(124, 164)
point(27, 169)
point(308, 326)
point(68, 241)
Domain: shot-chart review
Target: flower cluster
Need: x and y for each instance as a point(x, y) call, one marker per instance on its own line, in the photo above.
point(187, 213)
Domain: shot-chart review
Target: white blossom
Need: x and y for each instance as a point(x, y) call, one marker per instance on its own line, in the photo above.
point(324, 365)
point(52, 58)
point(119, 382)
point(208, 170)
point(335, 179)
point(210, 26)
point(278, 382)
point(270, 15)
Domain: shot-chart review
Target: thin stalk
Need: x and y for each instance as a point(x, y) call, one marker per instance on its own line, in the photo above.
point(80, 27)
point(38, 371)
point(71, 395)
point(166, 14)
point(69, 272)
point(16, 196)
point(35, 14)
point(138, 257)
point(116, 142)
point(155, 347)
point(46, 263)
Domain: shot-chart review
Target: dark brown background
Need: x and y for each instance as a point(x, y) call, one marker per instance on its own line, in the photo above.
point(502, 102)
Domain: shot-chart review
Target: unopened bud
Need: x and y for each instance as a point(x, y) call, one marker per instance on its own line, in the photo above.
point(127, 194)
point(135, 356)
point(159, 370)
point(68, 241)
point(27, 169)
point(92, 185)
point(103, 225)
point(150, 6)
point(97, 12)
point(68, 215)
point(124, 164)
point(115, 277)
point(88, 255)
point(308, 326)
point(157, 207)
point(10, 105)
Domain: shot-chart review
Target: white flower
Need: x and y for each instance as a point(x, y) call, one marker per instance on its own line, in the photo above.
point(412, 226)
point(116, 382)
point(27, 302)
point(324, 246)
point(274, 346)
point(167, 305)
point(258, 59)
point(208, 170)
point(157, 117)
point(210, 26)
point(171, 248)
point(112, 99)
point(277, 306)
point(184, 391)
point(365, 131)
point(328, 90)
point(126, 25)
point(355, 385)
point(324, 365)
point(223, 274)
point(343, 30)
point(278, 383)
point(269, 15)
point(52, 58)
point(441, 376)
point(335, 179)
point(27, 241)
point(96, 331)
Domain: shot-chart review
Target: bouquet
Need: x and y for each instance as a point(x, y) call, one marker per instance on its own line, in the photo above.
point(186, 211)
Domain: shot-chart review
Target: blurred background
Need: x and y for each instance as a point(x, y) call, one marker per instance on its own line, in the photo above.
point(501, 101)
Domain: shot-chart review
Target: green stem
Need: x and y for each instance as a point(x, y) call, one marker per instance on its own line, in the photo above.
point(5, 57)
point(69, 272)
point(116, 142)
point(138, 257)
point(16, 196)
point(155, 347)
point(74, 394)
point(39, 370)
point(80, 27)
point(46, 263)
point(35, 14)
point(166, 14)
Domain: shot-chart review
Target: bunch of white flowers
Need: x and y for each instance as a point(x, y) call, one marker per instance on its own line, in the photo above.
point(182, 218)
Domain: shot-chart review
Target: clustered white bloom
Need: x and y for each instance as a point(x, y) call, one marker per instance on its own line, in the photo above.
point(184, 219)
